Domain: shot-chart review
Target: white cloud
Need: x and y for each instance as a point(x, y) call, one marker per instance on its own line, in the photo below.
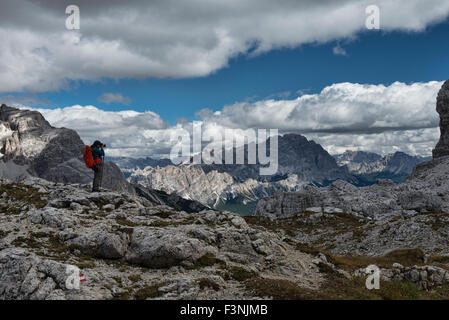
point(114, 98)
point(378, 118)
point(415, 142)
point(127, 133)
point(340, 108)
point(175, 39)
point(339, 51)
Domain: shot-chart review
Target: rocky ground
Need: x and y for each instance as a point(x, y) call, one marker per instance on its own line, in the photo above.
point(129, 248)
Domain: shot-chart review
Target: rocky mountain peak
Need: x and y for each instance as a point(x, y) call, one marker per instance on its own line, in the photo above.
point(22, 120)
point(442, 147)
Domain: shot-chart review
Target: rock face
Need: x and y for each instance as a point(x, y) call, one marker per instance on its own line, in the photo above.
point(211, 188)
point(442, 147)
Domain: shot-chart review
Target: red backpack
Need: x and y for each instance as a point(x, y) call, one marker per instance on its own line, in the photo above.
point(88, 158)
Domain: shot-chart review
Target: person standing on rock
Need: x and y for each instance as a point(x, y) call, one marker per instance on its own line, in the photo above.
point(98, 155)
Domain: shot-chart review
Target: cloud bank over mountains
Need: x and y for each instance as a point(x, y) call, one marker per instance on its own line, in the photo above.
point(378, 118)
point(141, 39)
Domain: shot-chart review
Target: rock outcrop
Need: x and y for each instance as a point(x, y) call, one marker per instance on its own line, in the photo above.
point(376, 201)
point(442, 147)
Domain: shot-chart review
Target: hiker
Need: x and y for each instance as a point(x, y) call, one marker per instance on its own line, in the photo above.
point(98, 156)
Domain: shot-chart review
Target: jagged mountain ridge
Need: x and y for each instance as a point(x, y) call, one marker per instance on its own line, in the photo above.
point(301, 162)
point(362, 162)
point(138, 163)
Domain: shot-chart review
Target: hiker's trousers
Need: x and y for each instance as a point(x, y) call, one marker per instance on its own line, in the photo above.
point(98, 176)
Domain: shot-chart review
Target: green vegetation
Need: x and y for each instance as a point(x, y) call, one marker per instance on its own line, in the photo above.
point(241, 274)
point(207, 283)
point(406, 257)
point(336, 223)
point(134, 277)
point(125, 222)
point(148, 292)
point(206, 260)
point(277, 289)
point(23, 196)
point(337, 287)
point(26, 242)
point(164, 214)
point(172, 223)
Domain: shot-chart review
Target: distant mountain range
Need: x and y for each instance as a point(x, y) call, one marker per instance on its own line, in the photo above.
point(30, 146)
point(239, 187)
point(369, 166)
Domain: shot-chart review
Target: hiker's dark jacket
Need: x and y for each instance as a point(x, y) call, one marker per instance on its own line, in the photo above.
point(98, 155)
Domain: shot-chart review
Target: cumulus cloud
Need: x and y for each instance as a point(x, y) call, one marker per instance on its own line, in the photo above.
point(414, 142)
point(377, 118)
point(114, 98)
point(175, 39)
point(127, 133)
point(339, 108)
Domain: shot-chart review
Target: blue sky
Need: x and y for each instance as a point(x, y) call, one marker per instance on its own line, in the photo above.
point(373, 57)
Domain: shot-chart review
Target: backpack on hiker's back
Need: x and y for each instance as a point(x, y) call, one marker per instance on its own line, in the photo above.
point(88, 158)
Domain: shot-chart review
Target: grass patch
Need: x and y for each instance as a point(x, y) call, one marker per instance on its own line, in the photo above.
point(171, 223)
point(305, 247)
point(335, 223)
point(406, 257)
point(241, 274)
point(339, 288)
point(26, 242)
point(278, 289)
point(207, 283)
point(438, 259)
point(134, 277)
point(25, 194)
point(124, 295)
point(125, 222)
point(148, 292)
point(206, 260)
point(164, 214)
